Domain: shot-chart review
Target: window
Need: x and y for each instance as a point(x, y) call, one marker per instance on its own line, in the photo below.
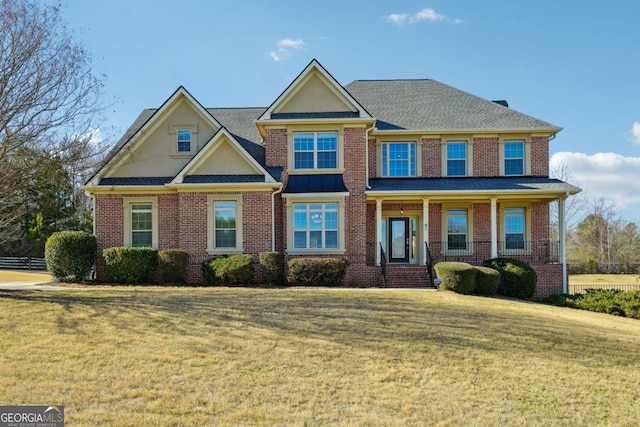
point(315, 226)
point(514, 157)
point(457, 229)
point(399, 159)
point(514, 228)
point(315, 150)
point(184, 141)
point(224, 224)
point(141, 225)
point(224, 235)
point(457, 158)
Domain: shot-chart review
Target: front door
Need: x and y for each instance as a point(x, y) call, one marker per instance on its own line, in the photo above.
point(398, 240)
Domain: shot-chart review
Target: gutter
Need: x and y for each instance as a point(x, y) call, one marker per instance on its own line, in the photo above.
point(366, 155)
point(273, 217)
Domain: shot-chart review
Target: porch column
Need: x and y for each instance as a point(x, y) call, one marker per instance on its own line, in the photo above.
point(562, 226)
point(425, 229)
point(378, 230)
point(494, 228)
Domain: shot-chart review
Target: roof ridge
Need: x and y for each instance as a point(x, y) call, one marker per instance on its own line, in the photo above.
point(390, 80)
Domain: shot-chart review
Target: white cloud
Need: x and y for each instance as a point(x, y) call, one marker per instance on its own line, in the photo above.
point(426, 14)
point(284, 48)
point(635, 133)
point(608, 175)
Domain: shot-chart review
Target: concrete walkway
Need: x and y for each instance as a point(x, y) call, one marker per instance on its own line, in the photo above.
point(23, 280)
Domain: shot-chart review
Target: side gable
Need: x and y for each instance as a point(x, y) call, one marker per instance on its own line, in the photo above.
point(314, 94)
point(149, 151)
point(222, 159)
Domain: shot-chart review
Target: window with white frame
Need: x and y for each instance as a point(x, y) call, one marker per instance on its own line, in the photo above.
point(398, 159)
point(315, 225)
point(315, 150)
point(457, 229)
point(514, 157)
point(514, 228)
point(141, 224)
point(225, 227)
point(183, 137)
point(456, 158)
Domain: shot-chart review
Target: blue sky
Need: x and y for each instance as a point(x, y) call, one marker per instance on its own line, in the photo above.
point(574, 64)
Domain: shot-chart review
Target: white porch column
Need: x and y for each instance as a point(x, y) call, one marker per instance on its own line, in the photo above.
point(494, 228)
point(425, 230)
point(562, 227)
point(378, 230)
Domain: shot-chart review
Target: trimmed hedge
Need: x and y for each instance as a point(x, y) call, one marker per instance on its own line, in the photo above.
point(272, 268)
point(234, 270)
point(172, 264)
point(487, 281)
point(70, 255)
point(129, 265)
point(316, 271)
point(517, 278)
point(457, 276)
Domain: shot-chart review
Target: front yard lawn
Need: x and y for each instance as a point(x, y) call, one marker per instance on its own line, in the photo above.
point(220, 356)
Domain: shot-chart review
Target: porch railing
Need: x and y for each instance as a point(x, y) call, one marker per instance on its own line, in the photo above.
point(429, 262)
point(533, 252)
point(383, 263)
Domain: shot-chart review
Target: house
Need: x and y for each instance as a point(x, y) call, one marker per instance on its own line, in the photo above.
point(382, 173)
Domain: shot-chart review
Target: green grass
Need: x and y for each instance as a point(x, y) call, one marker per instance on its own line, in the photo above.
point(220, 356)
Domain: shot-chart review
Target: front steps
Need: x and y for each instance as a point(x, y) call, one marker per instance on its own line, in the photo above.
point(406, 276)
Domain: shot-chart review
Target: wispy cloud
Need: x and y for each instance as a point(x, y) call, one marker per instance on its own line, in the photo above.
point(635, 133)
point(284, 48)
point(427, 14)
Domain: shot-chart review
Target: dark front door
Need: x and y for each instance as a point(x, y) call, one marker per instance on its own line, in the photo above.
point(398, 240)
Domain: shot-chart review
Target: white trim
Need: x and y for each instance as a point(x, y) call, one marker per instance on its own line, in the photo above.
point(290, 249)
point(126, 206)
point(315, 195)
point(211, 247)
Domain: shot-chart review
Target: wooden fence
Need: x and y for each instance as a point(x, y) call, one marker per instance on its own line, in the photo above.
point(22, 263)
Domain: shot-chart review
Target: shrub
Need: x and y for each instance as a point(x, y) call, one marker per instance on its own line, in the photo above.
point(457, 276)
point(129, 265)
point(70, 255)
point(234, 270)
point(487, 281)
point(316, 271)
point(601, 301)
point(517, 278)
point(172, 264)
point(272, 268)
point(630, 303)
point(561, 300)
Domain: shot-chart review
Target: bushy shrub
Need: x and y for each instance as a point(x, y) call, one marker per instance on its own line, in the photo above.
point(457, 276)
point(517, 278)
point(487, 281)
point(316, 271)
point(70, 255)
point(630, 303)
point(272, 268)
point(234, 270)
point(610, 301)
point(561, 300)
point(172, 264)
point(129, 265)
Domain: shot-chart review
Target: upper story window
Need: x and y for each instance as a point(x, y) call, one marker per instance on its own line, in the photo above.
point(456, 158)
point(399, 159)
point(315, 150)
point(514, 158)
point(183, 140)
point(315, 226)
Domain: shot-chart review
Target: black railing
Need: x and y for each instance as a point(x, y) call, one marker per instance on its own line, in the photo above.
point(429, 262)
point(533, 252)
point(383, 263)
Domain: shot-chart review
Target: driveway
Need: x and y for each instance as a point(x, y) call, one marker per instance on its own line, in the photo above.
point(16, 280)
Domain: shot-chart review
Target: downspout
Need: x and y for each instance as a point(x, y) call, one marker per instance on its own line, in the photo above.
point(273, 217)
point(366, 156)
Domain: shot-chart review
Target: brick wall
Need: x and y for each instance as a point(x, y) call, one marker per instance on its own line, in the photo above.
point(549, 279)
point(109, 223)
point(431, 157)
point(486, 156)
point(168, 221)
point(540, 156)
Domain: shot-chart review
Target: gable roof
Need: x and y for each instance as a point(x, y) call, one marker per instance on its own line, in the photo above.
point(313, 66)
point(429, 105)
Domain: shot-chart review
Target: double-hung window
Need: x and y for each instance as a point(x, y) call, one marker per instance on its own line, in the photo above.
point(225, 214)
point(514, 157)
point(315, 226)
point(456, 158)
point(514, 228)
point(141, 224)
point(457, 228)
point(399, 159)
point(183, 137)
point(315, 150)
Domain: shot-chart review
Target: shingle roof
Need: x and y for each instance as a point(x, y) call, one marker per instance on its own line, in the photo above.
point(516, 183)
point(158, 180)
point(217, 179)
point(316, 183)
point(431, 105)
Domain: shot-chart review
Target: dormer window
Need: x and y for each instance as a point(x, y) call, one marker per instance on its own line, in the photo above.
point(315, 150)
point(183, 140)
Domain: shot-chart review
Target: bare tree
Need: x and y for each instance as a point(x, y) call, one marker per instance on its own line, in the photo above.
point(575, 206)
point(49, 98)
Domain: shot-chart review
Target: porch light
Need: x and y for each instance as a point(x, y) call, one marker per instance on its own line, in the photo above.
point(401, 209)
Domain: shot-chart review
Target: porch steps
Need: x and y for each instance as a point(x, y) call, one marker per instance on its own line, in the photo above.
point(406, 276)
